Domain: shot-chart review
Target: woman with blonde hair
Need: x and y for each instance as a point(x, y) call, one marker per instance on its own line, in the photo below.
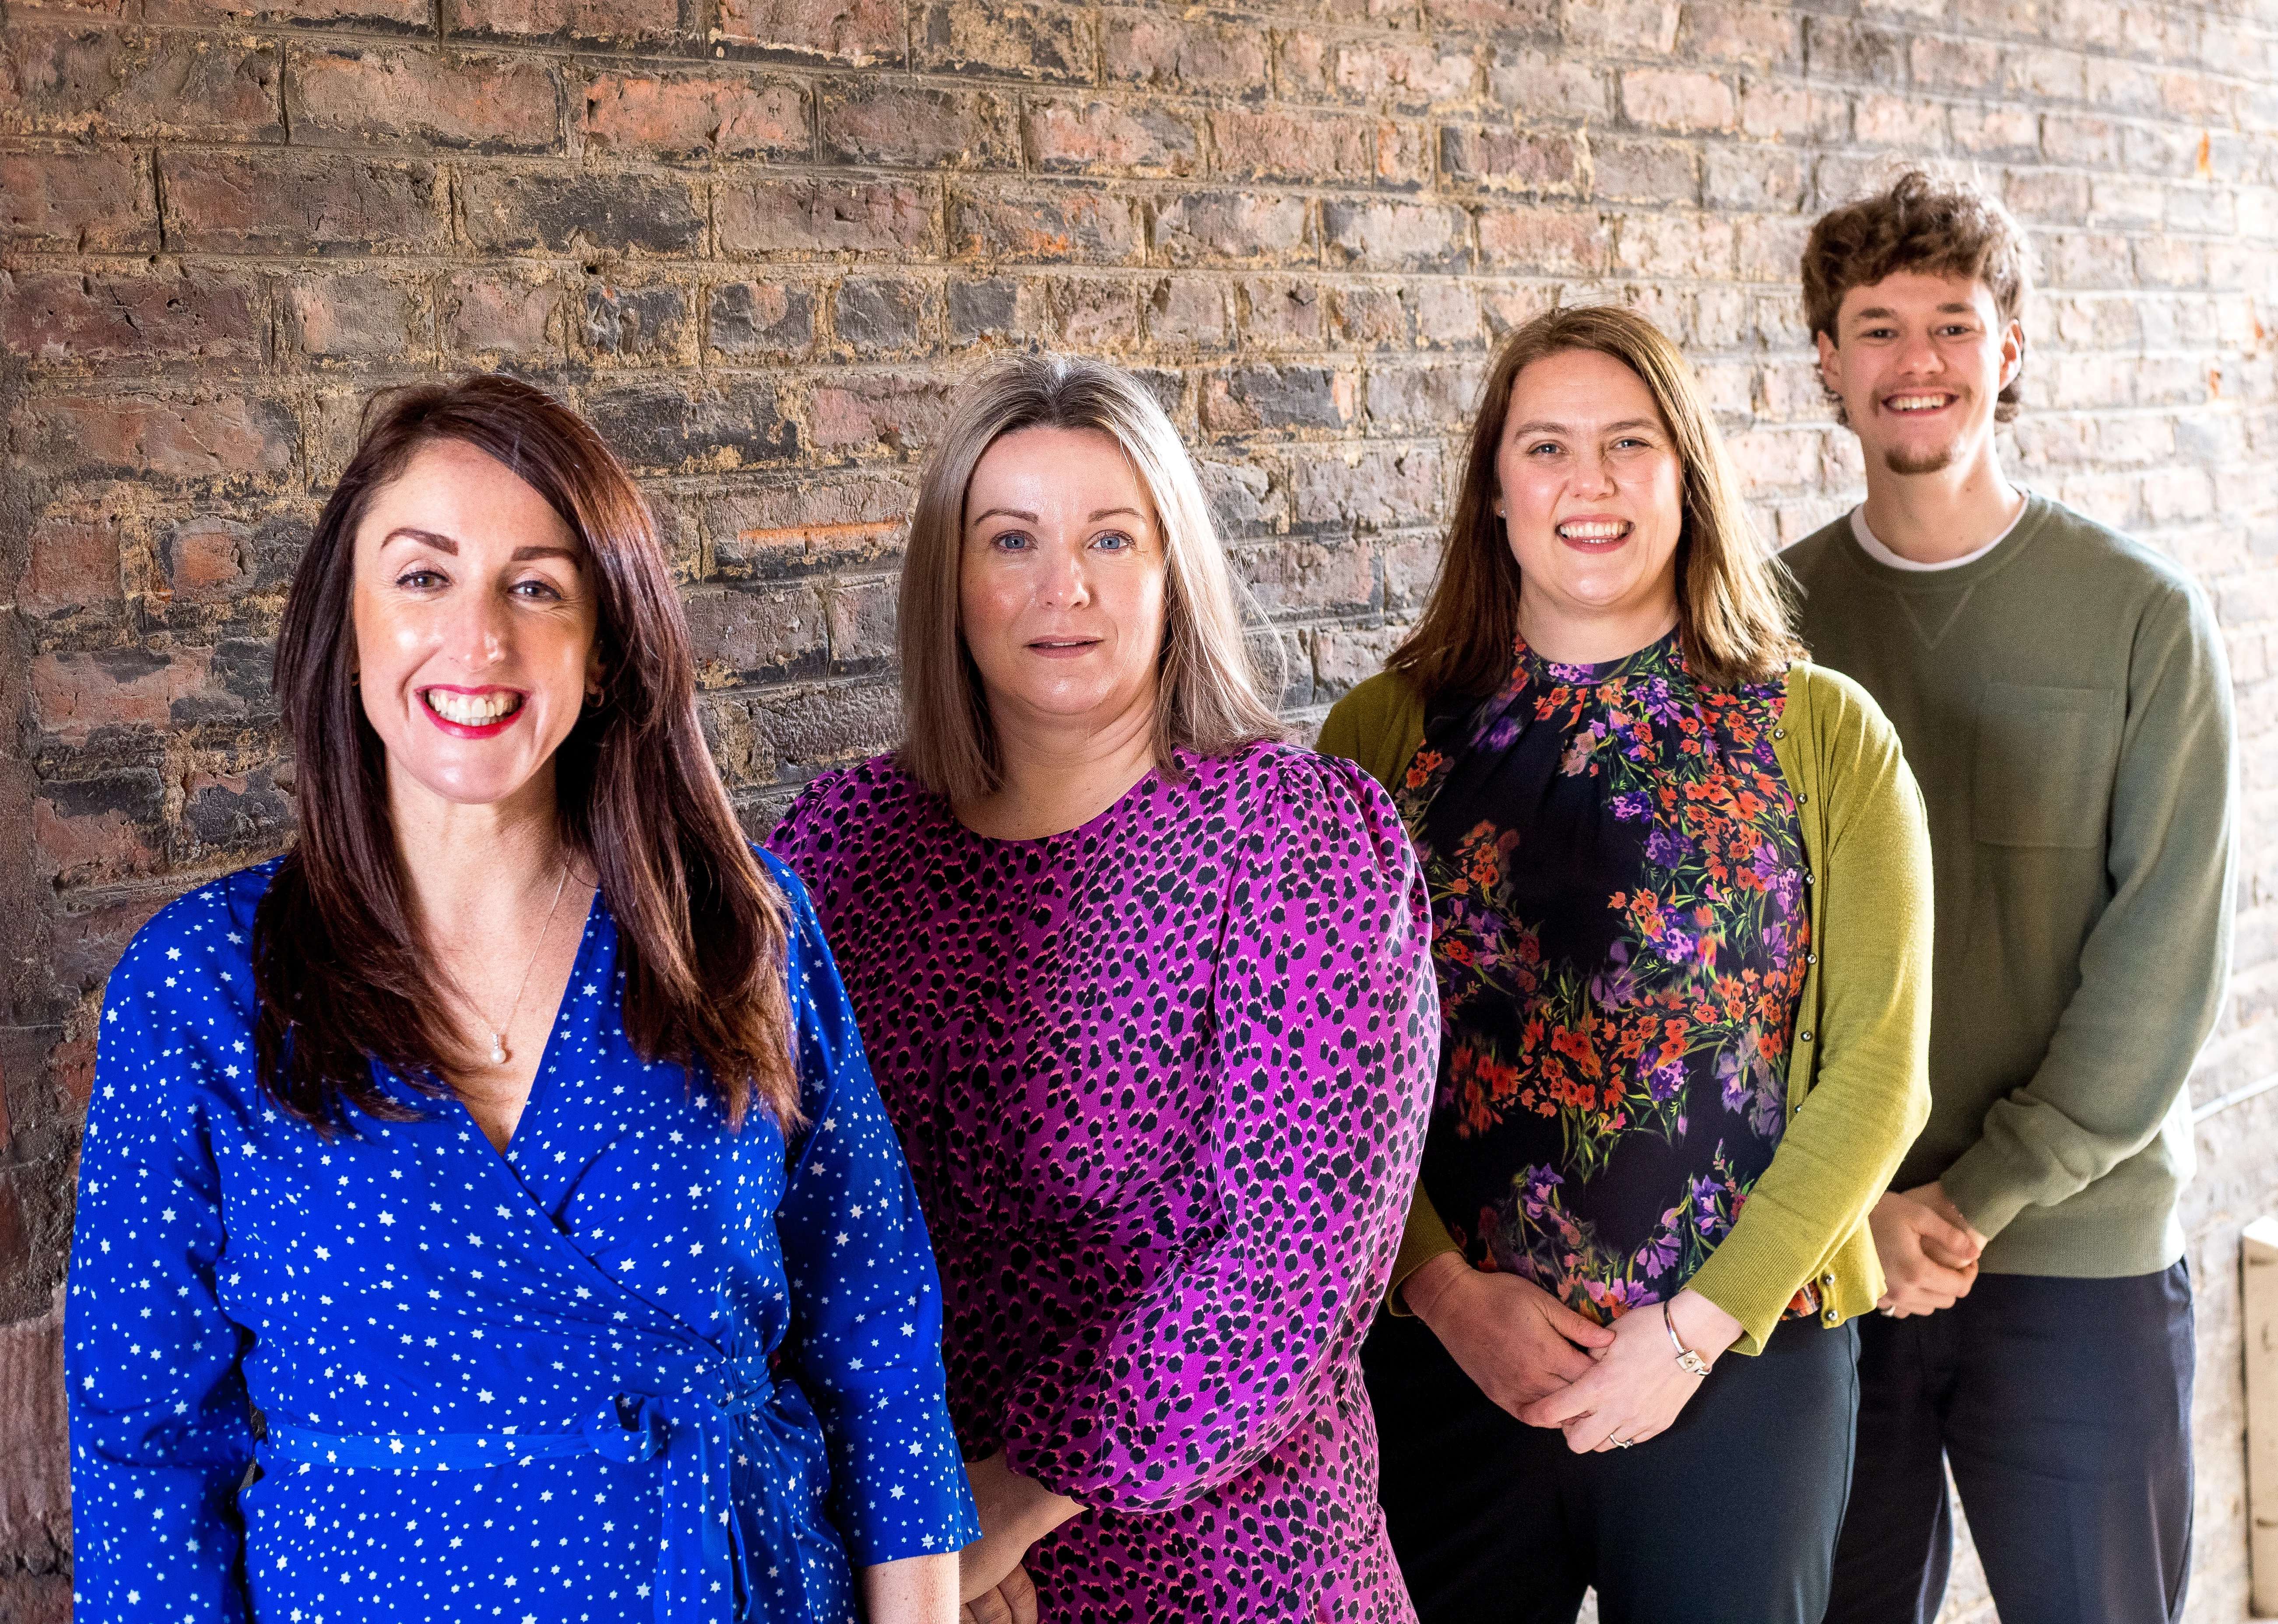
point(1680, 888)
point(1149, 998)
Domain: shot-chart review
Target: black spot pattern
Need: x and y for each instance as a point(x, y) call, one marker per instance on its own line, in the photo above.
point(1162, 1080)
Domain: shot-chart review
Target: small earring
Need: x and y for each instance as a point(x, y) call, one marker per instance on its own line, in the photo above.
point(355, 679)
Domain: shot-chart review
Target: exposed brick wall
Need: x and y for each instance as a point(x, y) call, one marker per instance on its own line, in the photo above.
point(757, 239)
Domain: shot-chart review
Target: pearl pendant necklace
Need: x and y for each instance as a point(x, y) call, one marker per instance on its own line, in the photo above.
point(498, 1036)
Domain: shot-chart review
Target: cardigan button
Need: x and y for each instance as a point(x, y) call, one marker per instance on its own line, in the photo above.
point(1780, 732)
point(1803, 1037)
point(1811, 958)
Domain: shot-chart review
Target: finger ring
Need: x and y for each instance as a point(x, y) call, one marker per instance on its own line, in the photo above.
point(1622, 1442)
point(1887, 1313)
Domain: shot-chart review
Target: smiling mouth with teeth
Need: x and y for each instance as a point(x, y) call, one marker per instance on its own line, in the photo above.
point(1919, 403)
point(472, 709)
point(1595, 531)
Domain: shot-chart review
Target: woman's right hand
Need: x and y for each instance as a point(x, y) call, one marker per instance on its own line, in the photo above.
point(1513, 1338)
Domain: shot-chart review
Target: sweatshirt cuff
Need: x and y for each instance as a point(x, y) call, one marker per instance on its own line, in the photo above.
point(1423, 1237)
point(1985, 1191)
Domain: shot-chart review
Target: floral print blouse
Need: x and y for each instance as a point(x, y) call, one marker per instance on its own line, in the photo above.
point(1617, 878)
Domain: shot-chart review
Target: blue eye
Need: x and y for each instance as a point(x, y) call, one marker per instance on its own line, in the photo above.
point(1115, 541)
point(1010, 540)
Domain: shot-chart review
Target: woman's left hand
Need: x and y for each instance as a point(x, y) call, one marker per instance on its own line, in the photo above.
point(1638, 1387)
point(1016, 1512)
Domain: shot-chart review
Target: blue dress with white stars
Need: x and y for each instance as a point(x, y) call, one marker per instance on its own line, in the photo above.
point(640, 1366)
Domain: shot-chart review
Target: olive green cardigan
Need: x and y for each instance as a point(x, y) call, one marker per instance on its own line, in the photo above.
point(1861, 1052)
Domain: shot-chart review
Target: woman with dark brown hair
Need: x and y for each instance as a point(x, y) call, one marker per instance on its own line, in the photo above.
point(486, 1209)
point(1680, 886)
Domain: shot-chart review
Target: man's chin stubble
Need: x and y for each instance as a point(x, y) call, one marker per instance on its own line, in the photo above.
point(1918, 462)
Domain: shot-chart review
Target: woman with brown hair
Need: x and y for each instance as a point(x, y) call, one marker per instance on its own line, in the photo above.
point(1680, 888)
point(498, 1174)
point(1149, 999)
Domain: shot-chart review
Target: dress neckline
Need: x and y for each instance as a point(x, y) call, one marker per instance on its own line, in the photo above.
point(1663, 657)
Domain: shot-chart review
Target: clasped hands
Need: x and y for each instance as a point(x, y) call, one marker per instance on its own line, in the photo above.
point(1605, 1387)
point(1928, 1249)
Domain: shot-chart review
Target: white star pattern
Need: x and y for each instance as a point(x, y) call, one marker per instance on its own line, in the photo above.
point(511, 1311)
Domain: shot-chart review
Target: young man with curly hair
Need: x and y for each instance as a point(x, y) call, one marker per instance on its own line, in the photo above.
point(2061, 695)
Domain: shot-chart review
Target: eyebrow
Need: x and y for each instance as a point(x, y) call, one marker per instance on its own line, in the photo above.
point(1096, 513)
point(1561, 428)
point(1880, 313)
point(442, 543)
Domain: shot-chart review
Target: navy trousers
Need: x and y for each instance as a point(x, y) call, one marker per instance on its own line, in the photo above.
point(2065, 1408)
point(1729, 1517)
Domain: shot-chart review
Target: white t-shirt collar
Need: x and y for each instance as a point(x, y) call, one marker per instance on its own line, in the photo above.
point(1872, 545)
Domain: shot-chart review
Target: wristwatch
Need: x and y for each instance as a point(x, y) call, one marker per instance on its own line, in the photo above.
point(1687, 1361)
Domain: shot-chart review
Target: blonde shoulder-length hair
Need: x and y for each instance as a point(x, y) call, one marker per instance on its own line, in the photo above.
point(1732, 610)
point(1210, 696)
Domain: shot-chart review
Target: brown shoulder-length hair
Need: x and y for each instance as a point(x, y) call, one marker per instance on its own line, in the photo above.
point(1731, 614)
point(1212, 695)
point(340, 968)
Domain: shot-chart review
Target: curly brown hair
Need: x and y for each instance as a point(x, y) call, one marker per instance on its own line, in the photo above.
point(1924, 223)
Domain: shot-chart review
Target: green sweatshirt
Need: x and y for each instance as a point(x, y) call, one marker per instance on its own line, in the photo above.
point(2064, 705)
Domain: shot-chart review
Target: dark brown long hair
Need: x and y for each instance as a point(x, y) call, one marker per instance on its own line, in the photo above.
point(340, 967)
point(1731, 614)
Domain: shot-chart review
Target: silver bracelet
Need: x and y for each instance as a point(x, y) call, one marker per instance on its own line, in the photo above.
point(1687, 1361)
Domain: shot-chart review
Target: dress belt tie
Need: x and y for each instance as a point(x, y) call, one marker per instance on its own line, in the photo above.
point(702, 1559)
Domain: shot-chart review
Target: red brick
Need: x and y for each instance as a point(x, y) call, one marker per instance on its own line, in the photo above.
point(1009, 38)
point(73, 694)
point(859, 32)
point(1770, 246)
point(1403, 154)
point(228, 437)
point(1183, 313)
point(1246, 398)
point(1280, 310)
point(808, 219)
point(1557, 240)
point(300, 203)
point(1418, 237)
point(811, 524)
point(409, 16)
point(84, 202)
point(82, 83)
point(1646, 169)
point(61, 317)
point(1748, 31)
point(897, 415)
point(1674, 98)
point(1344, 657)
point(744, 631)
point(623, 22)
point(1954, 65)
point(1621, 28)
point(1108, 137)
point(1397, 72)
point(761, 319)
point(206, 558)
point(1544, 84)
point(1447, 312)
point(1169, 51)
point(693, 116)
point(1369, 316)
point(1755, 176)
point(1507, 160)
point(73, 563)
point(1039, 224)
point(1373, 487)
point(684, 425)
point(1310, 576)
point(1883, 119)
point(1995, 132)
point(1791, 111)
point(502, 314)
point(1092, 314)
point(1192, 228)
point(384, 97)
point(1287, 146)
point(599, 210)
point(355, 317)
point(861, 616)
point(1490, 16)
point(927, 129)
point(1442, 394)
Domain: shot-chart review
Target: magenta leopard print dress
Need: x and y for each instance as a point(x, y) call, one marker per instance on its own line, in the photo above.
point(1162, 1081)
